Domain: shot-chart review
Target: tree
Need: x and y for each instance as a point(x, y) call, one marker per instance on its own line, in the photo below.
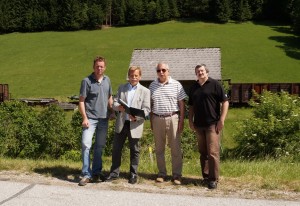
point(150, 11)
point(11, 15)
point(277, 10)
point(95, 15)
point(222, 11)
point(256, 7)
point(295, 15)
point(135, 12)
point(165, 10)
point(241, 10)
point(118, 12)
point(173, 9)
point(73, 15)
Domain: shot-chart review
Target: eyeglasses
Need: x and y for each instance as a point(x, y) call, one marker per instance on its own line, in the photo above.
point(161, 70)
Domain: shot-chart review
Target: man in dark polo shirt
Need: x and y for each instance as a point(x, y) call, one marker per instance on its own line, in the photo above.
point(94, 102)
point(208, 107)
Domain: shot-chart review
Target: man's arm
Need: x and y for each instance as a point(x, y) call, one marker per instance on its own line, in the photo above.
point(224, 110)
point(112, 114)
point(85, 121)
point(181, 115)
point(191, 117)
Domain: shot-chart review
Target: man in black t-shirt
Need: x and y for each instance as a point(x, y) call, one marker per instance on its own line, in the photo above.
point(208, 106)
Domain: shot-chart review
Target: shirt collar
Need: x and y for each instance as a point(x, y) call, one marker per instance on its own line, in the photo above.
point(130, 87)
point(170, 80)
point(93, 76)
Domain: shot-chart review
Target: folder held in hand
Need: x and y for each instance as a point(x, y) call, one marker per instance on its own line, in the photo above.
point(131, 110)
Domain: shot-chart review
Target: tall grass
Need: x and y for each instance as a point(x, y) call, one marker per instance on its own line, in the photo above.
point(52, 64)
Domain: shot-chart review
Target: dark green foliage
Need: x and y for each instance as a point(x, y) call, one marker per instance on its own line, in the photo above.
point(76, 123)
point(296, 16)
point(241, 10)
point(119, 12)
point(135, 12)
point(278, 10)
point(274, 129)
point(188, 143)
point(17, 130)
point(27, 133)
point(55, 133)
point(109, 138)
point(222, 10)
point(256, 9)
point(43, 15)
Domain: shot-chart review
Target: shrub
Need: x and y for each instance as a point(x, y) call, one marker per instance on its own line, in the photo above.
point(17, 130)
point(274, 129)
point(76, 122)
point(55, 134)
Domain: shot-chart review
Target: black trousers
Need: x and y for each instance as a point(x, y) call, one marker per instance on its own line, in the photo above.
point(118, 143)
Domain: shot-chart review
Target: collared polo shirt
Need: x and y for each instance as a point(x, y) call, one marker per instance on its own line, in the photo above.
point(96, 96)
point(206, 100)
point(165, 97)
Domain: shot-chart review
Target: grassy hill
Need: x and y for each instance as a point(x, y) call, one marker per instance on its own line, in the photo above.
point(52, 64)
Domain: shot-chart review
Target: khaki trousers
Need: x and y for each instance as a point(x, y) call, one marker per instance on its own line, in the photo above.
point(209, 149)
point(167, 127)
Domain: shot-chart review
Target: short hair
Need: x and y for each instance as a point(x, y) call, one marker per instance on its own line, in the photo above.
point(201, 65)
point(99, 59)
point(162, 63)
point(134, 68)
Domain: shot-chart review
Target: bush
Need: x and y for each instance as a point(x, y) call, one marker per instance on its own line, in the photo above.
point(55, 134)
point(17, 130)
point(76, 122)
point(274, 129)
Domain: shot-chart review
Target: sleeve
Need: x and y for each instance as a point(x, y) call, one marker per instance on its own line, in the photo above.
point(181, 92)
point(222, 94)
point(83, 88)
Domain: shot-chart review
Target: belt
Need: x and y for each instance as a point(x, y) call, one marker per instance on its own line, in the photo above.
point(165, 115)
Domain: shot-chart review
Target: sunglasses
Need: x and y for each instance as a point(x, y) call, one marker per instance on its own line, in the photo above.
point(161, 70)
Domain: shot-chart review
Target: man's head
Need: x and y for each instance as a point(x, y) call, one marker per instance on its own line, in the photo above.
point(134, 75)
point(201, 71)
point(99, 66)
point(162, 70)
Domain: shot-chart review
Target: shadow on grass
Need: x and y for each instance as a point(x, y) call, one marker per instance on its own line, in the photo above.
point(290, 44)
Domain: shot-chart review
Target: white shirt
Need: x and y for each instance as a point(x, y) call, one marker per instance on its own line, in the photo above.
point(130, 95)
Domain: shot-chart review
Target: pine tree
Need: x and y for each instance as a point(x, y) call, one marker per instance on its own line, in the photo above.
point(222, 11)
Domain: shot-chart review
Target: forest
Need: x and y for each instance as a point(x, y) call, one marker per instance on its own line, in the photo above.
point(72, 15)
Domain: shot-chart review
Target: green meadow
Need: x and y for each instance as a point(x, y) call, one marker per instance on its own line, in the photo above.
point(52, 64)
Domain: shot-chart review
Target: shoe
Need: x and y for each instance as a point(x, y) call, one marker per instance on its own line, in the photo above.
point(160, 179)
point(84, 181)
point(98, 178)
point(132, 179)
point(177, 180)
point(111, 178)
point(204, 181)
point(212, 185)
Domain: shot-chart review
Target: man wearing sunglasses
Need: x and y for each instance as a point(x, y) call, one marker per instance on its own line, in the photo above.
point(167, 120)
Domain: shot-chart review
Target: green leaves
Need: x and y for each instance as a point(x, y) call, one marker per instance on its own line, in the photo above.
point(274, 129)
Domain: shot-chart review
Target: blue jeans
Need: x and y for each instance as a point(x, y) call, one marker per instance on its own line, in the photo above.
point(101, 127)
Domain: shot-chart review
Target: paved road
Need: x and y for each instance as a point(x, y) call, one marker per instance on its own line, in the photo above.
point(16, 193)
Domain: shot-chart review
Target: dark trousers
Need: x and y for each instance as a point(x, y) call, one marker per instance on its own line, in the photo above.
point(118, 143)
